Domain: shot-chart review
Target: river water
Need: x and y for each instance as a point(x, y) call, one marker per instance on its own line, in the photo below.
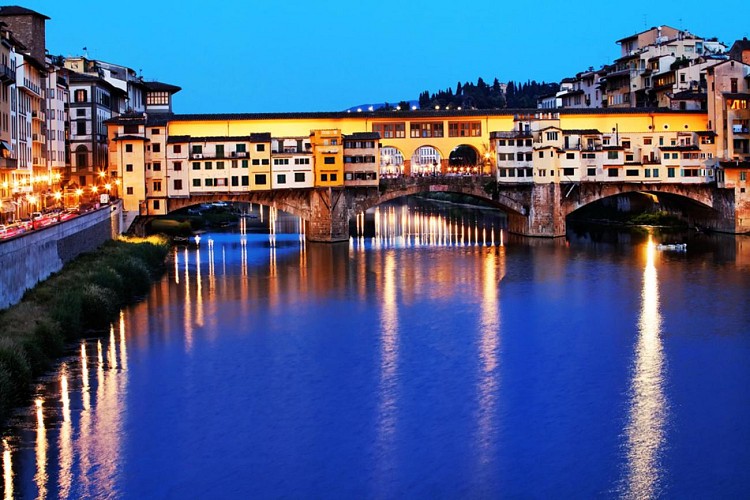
point(431, 356)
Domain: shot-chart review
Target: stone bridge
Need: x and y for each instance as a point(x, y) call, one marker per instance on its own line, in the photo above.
point(538, 210)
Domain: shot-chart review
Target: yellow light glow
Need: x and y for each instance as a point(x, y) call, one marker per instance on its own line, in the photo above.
point(31, 198)
point(102, 174)
point(108, 186)
point(117, 182)
point(58, 195)
point(79, 192)
point(93, 189)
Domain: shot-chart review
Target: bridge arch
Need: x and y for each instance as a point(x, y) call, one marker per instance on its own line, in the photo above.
point(294, 202)
point(512, 200)
point(701, 204)
point(426, 160)
point(464, 159)
point(391, 161)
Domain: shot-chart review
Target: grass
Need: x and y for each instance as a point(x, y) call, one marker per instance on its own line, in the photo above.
point(85, 296)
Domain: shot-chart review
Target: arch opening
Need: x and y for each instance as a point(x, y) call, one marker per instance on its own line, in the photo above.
point(391, 162)
point(426, 160)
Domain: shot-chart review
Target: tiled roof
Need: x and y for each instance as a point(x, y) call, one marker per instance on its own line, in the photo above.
point(405, 115)
point(258, 137)
point(15, 10)
point(735, 164)
point(130, 137)
point(127, 119)
point(363, 136)
point(583, 131)
point(692, 147)
point(161, 87)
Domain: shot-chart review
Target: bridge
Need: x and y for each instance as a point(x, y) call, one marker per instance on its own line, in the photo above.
point(533, 209)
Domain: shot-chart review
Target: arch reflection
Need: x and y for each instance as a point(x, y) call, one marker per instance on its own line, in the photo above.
point(645, 430)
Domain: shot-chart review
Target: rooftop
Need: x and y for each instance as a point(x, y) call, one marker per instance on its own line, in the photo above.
point(15, 10)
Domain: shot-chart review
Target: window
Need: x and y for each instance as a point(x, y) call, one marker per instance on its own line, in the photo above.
point(591, 172)
point(390, 130)
point(196, 183)
point(631, 172)
point(613, 155)
point(129, 167)
point(281, 179)
point(260, 147)
point(156, 204)
point(128, 148)
point(178, 184)
point(245, 180)
point(646, 141)
point(244, 163)
point(235, 181)
point(80, 96)
point(81, 127)
point(177, 165)
point(209, 182)
point(570, 156)
point(196, 165)
point(551, 136)
point(670, 172)
point(569, 171)
point(464, 129)
point(177, 148)
point(220, 151)
point(256, 161)
point(299, 177)
point(155, 131)
point(329, 160)
point(208, 165)
point(324, 177)
point(220, 165)
point(302, 161)
point(157, 186)
point(264, 161)
point(157, 166)
point(260, 179)
point(743, 175)
point(129, 191)
point(157, 98)
point(240, 148)
point(333, 177)
point(613, 172)
point(196, 149)
point(156, 147)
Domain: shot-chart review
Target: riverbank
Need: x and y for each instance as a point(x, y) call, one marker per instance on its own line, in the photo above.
point(84, 297)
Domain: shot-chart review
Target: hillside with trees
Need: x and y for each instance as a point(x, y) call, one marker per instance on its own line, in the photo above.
point(481, 95)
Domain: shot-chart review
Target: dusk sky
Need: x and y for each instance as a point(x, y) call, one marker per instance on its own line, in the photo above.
point(279, 56)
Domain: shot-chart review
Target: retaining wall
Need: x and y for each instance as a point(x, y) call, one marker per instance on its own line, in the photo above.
point(33, 257)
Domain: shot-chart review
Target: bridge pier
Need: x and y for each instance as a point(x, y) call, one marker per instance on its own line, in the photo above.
point(329, 221)
point(544, 217)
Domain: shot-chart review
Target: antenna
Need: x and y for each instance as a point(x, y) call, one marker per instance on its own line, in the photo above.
point(645, 21)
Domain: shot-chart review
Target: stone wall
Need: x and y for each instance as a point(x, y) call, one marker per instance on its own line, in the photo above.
point(29, 259)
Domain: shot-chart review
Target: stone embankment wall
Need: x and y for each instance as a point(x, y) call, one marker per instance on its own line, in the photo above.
point(33, 257)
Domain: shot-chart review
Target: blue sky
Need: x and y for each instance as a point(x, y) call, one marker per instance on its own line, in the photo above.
point(329, 55)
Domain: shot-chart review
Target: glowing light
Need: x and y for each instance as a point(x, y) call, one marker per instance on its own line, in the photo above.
point(7, 471)
point(58, 195)
point(645, 430)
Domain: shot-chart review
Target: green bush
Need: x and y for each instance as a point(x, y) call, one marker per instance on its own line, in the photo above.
point(86, 295)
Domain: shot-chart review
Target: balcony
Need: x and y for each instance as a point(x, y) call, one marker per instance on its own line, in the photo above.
point(7, 75)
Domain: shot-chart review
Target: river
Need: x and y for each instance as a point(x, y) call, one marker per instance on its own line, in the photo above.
point(432, 356)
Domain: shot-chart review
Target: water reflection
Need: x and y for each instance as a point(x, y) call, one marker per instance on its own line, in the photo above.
point(388, 385)
point(405, 226)
point(493, 271)
point(648, 406)
point(7, 471)
point(41, 451)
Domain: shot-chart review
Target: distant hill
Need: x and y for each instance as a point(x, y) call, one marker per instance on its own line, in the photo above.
point(480, 95)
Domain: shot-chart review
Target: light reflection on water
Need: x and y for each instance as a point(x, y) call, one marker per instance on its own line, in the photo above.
point(401, 263)
point(648, 406)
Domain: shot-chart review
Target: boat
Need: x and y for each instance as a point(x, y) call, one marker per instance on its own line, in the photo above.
point(673, 247)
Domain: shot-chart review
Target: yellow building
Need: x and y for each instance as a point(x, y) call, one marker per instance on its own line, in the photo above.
point(328, 157)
